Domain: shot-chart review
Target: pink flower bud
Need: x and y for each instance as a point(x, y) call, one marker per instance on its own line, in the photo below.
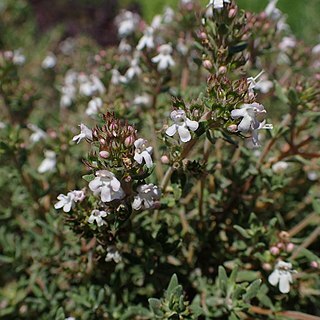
point(232, 13)
point(314, 264)
point(165, 159)
point(280, 245)
point(223, 70)
point(102, 141)
point(104, 154)
point(203, 36)
point(274, 250)
point(290, 247)
point(207, 64)
point(129, 141)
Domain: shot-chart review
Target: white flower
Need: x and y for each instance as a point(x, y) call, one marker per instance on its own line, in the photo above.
point(98, 86)
point(255, 133)
point(143, 100)
point(282, 275)
point(94, 105)
point(264, 85)
point(316, 49)
point(49, 61)
point(124, 46)
point(88, 86)
point(252, 116)
point(117, 78)
point(96, 216)
point(280, 167)
point(68, 90)
point(107, 186)
point(127, 23)
point(133, 71)
point(85, 133)
point(156, 22)
point(142, 152)
point(113, 254)
point(18, 58)
point(287, 43)
point(217, 4)
point(67, 202)
point(67, 46)
point(168, 15)
point(38, 134)
point(181, 124)
point(146, 40)
point(148, 195)
point(49, 162)
point(164, 58)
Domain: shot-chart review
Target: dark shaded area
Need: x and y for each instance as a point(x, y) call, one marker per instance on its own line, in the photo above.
point(92, 17)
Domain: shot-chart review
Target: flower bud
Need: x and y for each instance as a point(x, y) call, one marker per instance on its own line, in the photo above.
point(267, 266)
point(165, 159)
point(274, 250)
point(129, 141)
point(222, 70)
point(102, 141)
point(232, 12)
point(104, 154)
point(207, 64)
point(203, 36)
point(314, 264)
point(290, 247)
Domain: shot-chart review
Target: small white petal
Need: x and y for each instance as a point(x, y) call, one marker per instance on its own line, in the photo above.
point(193, 125)
point(284, 284)
point(274, 278)
point(171, 130)
point(184, 134)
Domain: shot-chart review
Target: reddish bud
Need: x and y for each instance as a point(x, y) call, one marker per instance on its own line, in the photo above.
point(165, 159)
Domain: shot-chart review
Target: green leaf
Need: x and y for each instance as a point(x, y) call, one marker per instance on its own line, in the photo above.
point(172, 284)
point(88, 177)
point(60, 315)
point(223, 279)
point(155, 306)
point(242, 231)
point(252, 290)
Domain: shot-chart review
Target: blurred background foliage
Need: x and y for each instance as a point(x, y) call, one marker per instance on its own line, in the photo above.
point(298, 12)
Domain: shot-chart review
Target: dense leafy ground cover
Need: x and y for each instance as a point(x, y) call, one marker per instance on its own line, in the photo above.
point(174, 175)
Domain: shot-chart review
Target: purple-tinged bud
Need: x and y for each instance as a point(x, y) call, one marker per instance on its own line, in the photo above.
point(95, 133)
point(104, 154)
point(314, 264)
point(102, 141)
point(280, 245)
point(290, 247)
point(127, 179)
point(165, 159)
point(203, 36)
point(113, 126)
point(274, 250)
point(222, 70)
point(207, 64)
point(232, 12)
point(129, 141)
